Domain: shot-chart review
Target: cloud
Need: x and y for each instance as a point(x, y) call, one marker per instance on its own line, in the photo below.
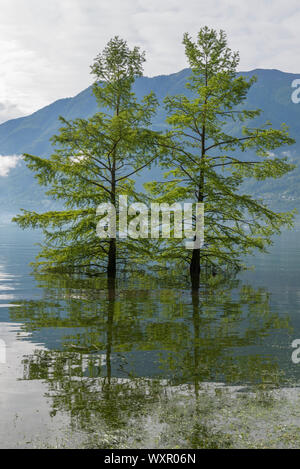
point(46, 48)
point(8, 162)
point(9, 111)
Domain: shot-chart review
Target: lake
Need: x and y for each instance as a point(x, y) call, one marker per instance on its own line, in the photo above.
point(91, 367)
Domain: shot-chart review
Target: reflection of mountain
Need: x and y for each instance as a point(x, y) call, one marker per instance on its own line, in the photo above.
point(31, 134)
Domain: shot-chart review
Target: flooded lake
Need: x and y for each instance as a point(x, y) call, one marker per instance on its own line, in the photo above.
point(136, 365)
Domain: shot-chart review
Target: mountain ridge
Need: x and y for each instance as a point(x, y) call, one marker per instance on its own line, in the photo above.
point(31, 134)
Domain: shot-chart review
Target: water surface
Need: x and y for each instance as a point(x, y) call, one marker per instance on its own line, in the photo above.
point(81, 357)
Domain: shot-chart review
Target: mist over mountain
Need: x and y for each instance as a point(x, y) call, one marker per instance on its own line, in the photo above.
point(31, 134)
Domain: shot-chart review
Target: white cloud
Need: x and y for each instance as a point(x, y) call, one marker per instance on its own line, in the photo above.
point(46, 47)
point(9, 111)
point(8, 162)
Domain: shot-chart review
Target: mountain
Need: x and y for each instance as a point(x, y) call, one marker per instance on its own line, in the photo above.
point(31, 134)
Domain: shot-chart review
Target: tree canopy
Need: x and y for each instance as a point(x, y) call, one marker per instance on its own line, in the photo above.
point(94, 162)
point(209, 149)
point(211, 139)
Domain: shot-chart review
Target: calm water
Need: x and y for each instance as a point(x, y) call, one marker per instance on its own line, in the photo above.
point(79, 354)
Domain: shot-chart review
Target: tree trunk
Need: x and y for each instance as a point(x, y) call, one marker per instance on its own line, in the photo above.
point(112, 260)
point(195, 269)
point(112, 253)
point(111, 289)
point(195, 261)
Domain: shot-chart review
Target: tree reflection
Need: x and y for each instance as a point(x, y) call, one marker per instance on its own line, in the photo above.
point(123, 347)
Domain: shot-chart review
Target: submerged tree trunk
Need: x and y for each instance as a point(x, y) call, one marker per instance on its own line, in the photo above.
point(196, 343)
point(111, 291)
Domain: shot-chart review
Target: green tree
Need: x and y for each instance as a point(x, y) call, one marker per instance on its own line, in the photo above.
point(93, 162)
point(213, 150)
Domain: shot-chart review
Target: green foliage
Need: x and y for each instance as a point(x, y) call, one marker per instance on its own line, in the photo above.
point(94, 162)
point(207, 163)
point(205, 154)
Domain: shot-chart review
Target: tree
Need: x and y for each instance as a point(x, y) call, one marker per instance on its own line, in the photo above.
point(210, 155)
point(93, 163)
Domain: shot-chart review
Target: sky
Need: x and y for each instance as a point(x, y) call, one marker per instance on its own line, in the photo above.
point(46, 48)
